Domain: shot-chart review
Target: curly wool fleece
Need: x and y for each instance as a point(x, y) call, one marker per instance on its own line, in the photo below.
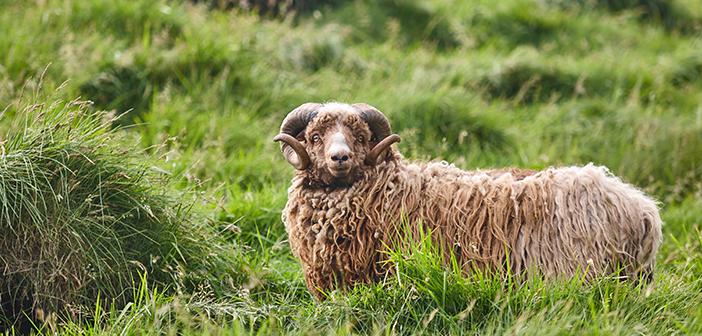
point(556, 223)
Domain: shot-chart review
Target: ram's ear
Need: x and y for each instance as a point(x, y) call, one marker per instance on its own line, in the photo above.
point(294, 151)
point(380, 127)
point(293, 125)
point(379, 150)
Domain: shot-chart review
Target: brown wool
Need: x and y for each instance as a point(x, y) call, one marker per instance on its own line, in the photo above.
point(555, 223)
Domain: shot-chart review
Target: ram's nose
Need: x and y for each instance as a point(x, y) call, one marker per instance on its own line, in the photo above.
point(340, 157)
point(339, 152)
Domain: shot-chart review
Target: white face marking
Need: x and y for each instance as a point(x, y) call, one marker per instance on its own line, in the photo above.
point(338, 144)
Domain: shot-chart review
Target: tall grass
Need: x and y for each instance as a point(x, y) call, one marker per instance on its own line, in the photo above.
point(424, 296)
point(81, 217)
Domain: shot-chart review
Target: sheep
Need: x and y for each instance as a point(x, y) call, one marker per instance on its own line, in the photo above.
point(353, 190)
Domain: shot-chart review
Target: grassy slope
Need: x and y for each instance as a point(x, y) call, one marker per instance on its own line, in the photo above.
point(480, 84)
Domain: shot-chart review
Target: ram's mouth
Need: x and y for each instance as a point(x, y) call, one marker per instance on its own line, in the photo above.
point(340, 171)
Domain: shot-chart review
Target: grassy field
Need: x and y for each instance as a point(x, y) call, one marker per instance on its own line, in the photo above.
point(155, 209)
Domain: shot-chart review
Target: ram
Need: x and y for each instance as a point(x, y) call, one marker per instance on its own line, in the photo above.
point(353, 190)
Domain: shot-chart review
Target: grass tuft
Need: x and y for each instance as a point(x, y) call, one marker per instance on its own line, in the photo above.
point(82, 218)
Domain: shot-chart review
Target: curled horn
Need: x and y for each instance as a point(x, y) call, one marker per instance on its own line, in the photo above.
point(380, 127)
point(295, 123)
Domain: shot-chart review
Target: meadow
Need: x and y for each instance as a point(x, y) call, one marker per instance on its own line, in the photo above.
point(140, 190)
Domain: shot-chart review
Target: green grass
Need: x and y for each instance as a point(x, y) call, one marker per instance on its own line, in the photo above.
point(83, 218)
point(186, 99)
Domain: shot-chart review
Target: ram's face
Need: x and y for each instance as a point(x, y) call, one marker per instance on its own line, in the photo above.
point(337, 142)
point(331, 144)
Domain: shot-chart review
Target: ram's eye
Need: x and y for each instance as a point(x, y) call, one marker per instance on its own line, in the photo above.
point(360, 139)
point(316, 138)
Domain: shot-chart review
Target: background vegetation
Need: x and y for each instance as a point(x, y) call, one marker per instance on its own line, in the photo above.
point(157, 207)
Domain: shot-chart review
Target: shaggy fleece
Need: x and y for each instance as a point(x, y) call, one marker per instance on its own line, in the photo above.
point(558, 222)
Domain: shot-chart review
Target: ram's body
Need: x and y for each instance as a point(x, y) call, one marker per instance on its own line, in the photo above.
point(555, 223)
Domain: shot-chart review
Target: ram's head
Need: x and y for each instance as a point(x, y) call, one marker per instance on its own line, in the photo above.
point(334, 142)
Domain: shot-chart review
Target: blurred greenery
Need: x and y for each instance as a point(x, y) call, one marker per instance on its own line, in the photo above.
point(198, 90)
